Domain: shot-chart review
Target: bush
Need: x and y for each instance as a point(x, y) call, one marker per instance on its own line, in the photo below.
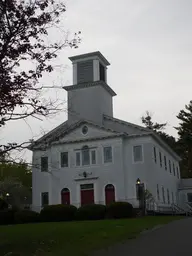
point(118, 210)
point(58, 212)
point(3, 204)
point(91, 212)
point(26, 216)
point(7, 217)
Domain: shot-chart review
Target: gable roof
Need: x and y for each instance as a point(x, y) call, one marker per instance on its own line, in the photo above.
point(64, 129)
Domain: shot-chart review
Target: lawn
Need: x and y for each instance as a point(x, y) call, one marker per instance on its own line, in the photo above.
point(71, 238)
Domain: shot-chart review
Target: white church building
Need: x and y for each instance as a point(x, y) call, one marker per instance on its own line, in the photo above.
point(94, 157)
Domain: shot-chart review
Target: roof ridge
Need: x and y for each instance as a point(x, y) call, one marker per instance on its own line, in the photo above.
point(126, 123)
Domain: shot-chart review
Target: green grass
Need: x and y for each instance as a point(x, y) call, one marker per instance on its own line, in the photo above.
point(71, 238)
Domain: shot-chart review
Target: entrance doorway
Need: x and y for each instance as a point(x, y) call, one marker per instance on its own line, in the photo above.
point(87, 194)
point(109, 194)
point(65, 196)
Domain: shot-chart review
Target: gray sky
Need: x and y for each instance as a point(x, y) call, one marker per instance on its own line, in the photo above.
point(149, 46)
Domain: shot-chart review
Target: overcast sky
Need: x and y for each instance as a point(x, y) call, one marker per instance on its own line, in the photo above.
point(149, 46)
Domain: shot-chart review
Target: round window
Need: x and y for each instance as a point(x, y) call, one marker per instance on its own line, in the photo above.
point(84, 129)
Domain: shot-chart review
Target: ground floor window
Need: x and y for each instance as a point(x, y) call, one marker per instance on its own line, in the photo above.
point(65, 196)
point(44, 199)
point(109, 194)
point(189, 197)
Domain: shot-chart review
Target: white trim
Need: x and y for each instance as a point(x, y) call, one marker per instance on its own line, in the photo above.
point(142, 150)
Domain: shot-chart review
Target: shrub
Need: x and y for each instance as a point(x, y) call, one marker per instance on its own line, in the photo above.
point(91, 212)
point(3, 204)
point(26, 216)
point(118, 210)
point(58, 212)
point(7, 217)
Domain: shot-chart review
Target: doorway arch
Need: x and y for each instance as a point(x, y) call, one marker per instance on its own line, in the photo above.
point(65, 196)
point(109, 194)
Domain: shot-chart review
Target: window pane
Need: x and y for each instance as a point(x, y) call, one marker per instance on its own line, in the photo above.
point(44, 164)
point(86, 186)
point(78, 160)
point(170, 166)
point(44, 198)
point(93, 157)
point(165, 161)
point(64, 159)
point(85, 157)
point(107, 154)
point(189, 197)
point(160, 159)
point(137, 151)
point(155, 155)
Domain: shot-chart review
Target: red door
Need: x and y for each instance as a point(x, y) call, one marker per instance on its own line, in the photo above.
point(87, 194)
point(65, 196)
point(109, 194)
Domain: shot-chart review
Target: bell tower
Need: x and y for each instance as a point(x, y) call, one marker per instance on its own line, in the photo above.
point(90, 96)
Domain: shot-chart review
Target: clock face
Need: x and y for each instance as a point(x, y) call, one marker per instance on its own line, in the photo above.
point(85, 129)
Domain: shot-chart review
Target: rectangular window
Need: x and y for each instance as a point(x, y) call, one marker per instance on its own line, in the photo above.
point(158, 195)
point(172, 197)
point(155, 154)
point(168, 198)
point(189, 197)
point(165, 162)
point(64, 159)
point(137, 153)
point(107, 154)
point(44, 199)
point(160, 159)
point(86, 186)
point(170, 166)
point(78, 159)
point(178, 172)
point(163, 194)
point(44, 164)
point(85, 157)
point(93, 157)
point(174, 169)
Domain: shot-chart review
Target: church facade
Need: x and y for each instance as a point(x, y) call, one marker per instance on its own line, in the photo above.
point(94, 157)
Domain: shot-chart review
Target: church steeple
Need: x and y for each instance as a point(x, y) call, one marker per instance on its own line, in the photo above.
point(90, 96)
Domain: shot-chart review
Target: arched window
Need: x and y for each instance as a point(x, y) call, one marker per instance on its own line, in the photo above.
point(65, 196)
point(109, 194)
point(85, 155)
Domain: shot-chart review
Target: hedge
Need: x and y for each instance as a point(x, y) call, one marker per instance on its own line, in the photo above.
point(58, 212)
point(3, 204)
point(91, 212)
point(118, 210)
point(7, 217)
point(26, 216)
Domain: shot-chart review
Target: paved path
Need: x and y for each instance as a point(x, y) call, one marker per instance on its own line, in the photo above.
point(173, 239)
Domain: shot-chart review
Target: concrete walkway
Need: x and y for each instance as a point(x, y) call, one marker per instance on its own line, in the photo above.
point(173, 239)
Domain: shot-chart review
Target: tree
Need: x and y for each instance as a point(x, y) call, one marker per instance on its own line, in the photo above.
point(185, 139)
point(159, 129)
point(24, 29)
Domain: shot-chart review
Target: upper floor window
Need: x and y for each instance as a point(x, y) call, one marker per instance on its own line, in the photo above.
point(44, 199)
point(64, 159)
point(160, 158)
point(86, 156)
point(102, 72)
point(107, 152)
point(137, 153)
point(165, 162)
point(170, 166)
point(44, 164)
point(155, 154)
point(158, 194)
point(174, 169)
point(178, 172)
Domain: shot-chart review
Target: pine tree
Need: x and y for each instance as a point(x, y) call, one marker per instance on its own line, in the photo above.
point(185, 139)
